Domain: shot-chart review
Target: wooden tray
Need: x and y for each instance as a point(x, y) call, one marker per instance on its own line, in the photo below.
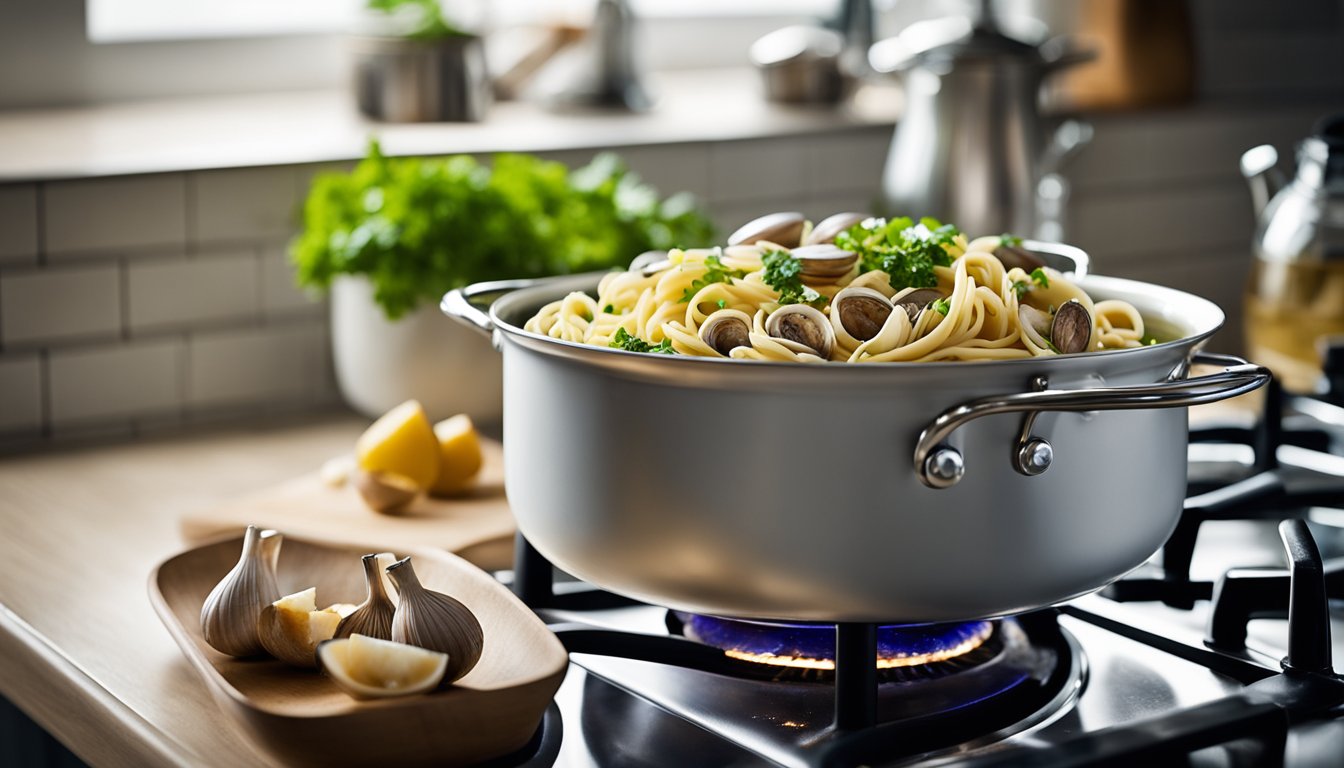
point(305, 719)
point(478, 527)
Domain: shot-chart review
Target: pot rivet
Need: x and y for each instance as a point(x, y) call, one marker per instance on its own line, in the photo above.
point(1034, 456)
point(944, 467)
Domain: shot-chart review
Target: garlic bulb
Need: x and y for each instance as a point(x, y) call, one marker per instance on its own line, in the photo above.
point(229, 615)
point(435, 621)
point(373, 618)
point(291, 628)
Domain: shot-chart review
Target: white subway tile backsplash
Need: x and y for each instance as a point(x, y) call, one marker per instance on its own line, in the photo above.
point(114, 214)
point(847, 162)
point(753, 170)
point(671, 168)
point(188, 291)
point(54, 304)
point(21, 394)
point(18, 224)
point(120, 381)
point(244, 203)
point(279, 294)
point(259, 364)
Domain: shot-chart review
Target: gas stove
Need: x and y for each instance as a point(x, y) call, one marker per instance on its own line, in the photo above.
point(1217, 652)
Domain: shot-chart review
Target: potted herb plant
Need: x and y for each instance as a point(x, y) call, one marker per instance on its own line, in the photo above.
point(392, 236)
point(416, 66)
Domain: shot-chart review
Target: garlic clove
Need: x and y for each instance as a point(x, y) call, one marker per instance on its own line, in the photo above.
point(291, 628)
point(370, 668)
point(373, 617)
point(435, 621)
point(230, 612)
point(385, 492)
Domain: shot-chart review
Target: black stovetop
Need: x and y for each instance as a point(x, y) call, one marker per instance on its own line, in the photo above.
point(1190, 660)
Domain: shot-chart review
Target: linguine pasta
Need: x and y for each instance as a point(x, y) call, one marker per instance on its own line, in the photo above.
point(717, 302)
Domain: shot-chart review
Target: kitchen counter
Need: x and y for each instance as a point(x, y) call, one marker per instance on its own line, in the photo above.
point(81, 649)
point(323, 126)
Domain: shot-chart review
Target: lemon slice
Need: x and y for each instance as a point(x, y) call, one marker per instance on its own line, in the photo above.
point(291, 628)
point(401, 442)
point(459, 455)
point(369, 668)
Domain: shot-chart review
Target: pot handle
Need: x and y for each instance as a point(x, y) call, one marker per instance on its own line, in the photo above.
point(458, 304)
point(939, 465)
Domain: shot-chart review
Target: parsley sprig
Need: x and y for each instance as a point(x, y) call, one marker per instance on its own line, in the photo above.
point(784, 272)
point(630, 343)
point(906, 251)
point(716, 272)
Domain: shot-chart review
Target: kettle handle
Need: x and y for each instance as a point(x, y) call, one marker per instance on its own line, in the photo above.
point(1260, 166)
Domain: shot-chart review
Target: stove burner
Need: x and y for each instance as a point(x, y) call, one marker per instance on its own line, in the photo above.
point(806, 650)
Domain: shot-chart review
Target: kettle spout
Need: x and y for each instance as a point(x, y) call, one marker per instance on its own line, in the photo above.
point(1260, 167)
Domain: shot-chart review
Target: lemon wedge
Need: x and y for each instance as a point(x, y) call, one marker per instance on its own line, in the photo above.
point(401, 442)
point(459, 454)
point(291, 628)
point(369, 668)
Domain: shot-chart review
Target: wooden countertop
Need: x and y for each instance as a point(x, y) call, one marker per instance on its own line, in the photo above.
point(81, 650)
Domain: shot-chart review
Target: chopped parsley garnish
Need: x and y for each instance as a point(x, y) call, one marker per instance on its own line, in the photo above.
point(715, 273)
point(609, 309)
point(623, 340)
point(1020, 287)
point(1012, 241)
point(722, 303)
point(941, 306)
point(784, 272)
point(1148, 340)
point(1038, 277)
point(906, 251)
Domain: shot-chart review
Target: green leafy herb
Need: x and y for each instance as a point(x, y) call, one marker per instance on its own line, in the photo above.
point(1038, 277)
point(1020, 287)
point(624, 340)
point(1012, 241)
point(716, 273)
point(722, 303)
point(1148, 340)
point(784, 272)
point(941, 306)
point(421, 19)
point(417, 228)
point(906, 251)
point(610, 309)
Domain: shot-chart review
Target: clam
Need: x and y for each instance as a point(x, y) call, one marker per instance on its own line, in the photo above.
point(1071, 330)
point(862, 311)
point(650, 262)
point(828, 228)
point(726, 330)
point(914, 300)
point(802, 328)
point(824, 261)
point(1035, 324)
point(784, 229)
point(1013, 256)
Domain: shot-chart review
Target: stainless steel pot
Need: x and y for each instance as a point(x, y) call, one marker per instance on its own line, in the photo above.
point(901, 492)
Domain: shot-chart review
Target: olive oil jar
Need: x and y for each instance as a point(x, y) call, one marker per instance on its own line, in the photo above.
point(1295, 300)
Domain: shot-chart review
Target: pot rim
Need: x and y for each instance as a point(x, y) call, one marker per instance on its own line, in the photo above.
point(1155, 302)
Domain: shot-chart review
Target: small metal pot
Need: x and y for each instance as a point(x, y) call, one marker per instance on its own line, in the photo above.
point(896, 492)
point(402, 80)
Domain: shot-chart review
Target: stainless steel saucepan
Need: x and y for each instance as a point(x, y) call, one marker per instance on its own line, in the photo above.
point(896, 492)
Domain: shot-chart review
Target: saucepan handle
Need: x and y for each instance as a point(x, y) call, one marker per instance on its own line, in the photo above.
point(939, 465)
point(459, 305)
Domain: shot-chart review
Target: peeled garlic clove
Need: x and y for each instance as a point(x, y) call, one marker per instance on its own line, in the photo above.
point(373, 618)
point(386, 492)
point(433, 620)
point(291, 628)
point(369, 668)
point(229, 614)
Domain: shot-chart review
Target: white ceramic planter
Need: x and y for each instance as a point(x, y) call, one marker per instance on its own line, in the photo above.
point(424, 355)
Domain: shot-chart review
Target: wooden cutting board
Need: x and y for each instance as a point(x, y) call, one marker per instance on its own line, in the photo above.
point(477, 527)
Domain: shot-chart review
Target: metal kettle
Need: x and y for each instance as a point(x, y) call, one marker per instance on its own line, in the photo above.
point(1295, 300)
point(968, 147)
